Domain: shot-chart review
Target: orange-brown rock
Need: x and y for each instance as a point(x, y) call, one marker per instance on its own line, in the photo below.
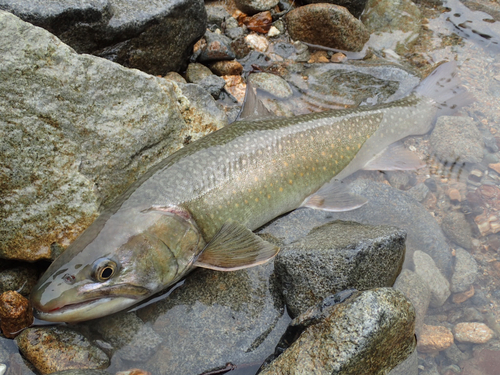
point(319, 57)
point(495, 167)
point(226, 68)
point(476, 333)
point(260, 22)
point(338, 57)
point(464, 296)
point(134, 371)
point(236, 86)
point(434, 339)
point(454, 195)
point(15, 313)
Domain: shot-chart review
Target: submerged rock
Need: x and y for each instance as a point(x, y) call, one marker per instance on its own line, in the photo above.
point(156, 37)
point(386, 206)
point(457, 228)
point(466, 271)
point(76, 131)
point(457, 140)
point(15, 313)
point(211, 319)
point(370, 333)
point(327, 25)
point(335, 257)
point(58, 348)
point(355, 7)
point(439, 286)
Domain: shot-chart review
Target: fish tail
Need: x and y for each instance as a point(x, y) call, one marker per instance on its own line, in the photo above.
point(444, 87)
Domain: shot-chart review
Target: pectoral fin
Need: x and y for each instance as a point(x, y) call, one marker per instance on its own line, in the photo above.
point(335, 197)
point(235, 247)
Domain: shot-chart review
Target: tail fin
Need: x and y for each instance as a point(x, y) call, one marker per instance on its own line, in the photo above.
point(443, 86)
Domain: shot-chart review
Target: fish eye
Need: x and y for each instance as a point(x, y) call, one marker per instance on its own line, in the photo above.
point(104, 269)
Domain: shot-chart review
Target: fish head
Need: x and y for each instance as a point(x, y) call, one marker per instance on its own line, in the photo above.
point(130, 259)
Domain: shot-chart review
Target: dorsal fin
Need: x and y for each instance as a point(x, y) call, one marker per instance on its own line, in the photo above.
point(253, 108)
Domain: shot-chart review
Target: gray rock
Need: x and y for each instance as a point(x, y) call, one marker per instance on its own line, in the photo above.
point(327, 25)
point(217, 15)
point(457, 229)
point(355, 7)
point(21, 278)
point(81, 372)
point(195, 72)
point(236, 32)
point(255, 6)
point(131, 338)
point(213, 85)
point(457, 140)
point(418, 292)
point(214, 318)
point(455, 355)
point(59, 348)
point(216, 47)
point(19, 366)
point(386, 206)
point(437, 283)
point(272, 84)
point(401, 18)
point(335, 257)
point(370, 333)
point(419, 192)
point(77, 130)
point(138, 34)
point(466, 271)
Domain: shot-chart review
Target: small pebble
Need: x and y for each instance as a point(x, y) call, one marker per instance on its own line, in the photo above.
point(257, 42)
point(273, 31)
point(236, 86)
point(338, 57)
point(495, 167)
point(434, 339)
point(3, 369)
point(319, 57)
point(466, 271)
point(174, 76)
point(464, 296)
point(15, 313)
point(426, 268)
point(227, 68)
point(454, 195)
point(134, 371)
point(476, 333)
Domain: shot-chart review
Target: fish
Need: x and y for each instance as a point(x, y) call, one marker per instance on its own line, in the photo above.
point(200, 205)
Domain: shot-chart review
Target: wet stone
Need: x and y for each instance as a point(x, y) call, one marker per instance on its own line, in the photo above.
point(457, 228)
point(81, 372)
point(455, 355)
point(66, 147)
point(272, 84)
point(457, 140)
point(386, 206)
point(15, 313)
point(434, 339)
point(466, 271)
point(437, 283)
point(327, 25)
point(476, 333)
point(216, 16)
point(214, 318)
point(486, 361)
point(257, 42)
point(355, 7)
point(216, 47)
point(371, 332)
point(20, 278)
point(137, 34)
point(131, 338)
point(418, 292)
point(58, 348)
point(175, 77)
point(419, 192)
point(335, 257)
point(255, 6)
point(20, 366)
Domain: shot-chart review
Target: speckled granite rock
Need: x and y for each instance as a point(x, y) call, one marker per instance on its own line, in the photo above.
point(386, 206)
point(19, 277)
point(59, 348)
point(457, 228)
point(137, 34)
point(370, 333)
point(437, 283)
point(338, 256)
point(75, 130)
point(255, 6)
point(327, 25)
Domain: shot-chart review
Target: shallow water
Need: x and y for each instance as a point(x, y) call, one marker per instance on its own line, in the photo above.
point(478, 55)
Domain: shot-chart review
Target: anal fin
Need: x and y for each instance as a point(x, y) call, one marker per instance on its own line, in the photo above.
point(235, 247)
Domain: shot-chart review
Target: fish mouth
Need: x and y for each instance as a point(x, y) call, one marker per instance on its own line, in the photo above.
point(87, 304)
point(85, 310)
